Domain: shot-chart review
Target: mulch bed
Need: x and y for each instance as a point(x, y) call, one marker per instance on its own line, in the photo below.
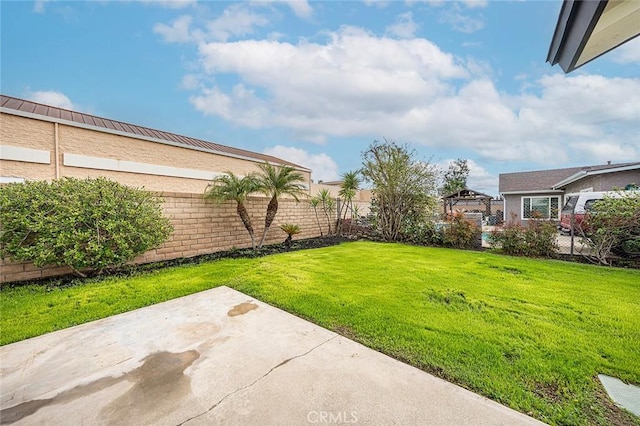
point(132, 270)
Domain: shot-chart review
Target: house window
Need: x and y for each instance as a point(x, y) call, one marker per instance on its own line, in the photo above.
point(541, 207)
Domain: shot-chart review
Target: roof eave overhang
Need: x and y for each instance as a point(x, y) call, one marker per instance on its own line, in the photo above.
point(587, 29)
point(575, 24)
point(537, 191)
point(570, 179)
point(583, 174)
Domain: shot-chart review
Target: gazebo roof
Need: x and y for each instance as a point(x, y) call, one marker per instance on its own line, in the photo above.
point(468, 194)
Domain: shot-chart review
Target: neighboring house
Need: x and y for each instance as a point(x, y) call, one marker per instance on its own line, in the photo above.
point(588, 29)
point(542, 193)
point(41, 142)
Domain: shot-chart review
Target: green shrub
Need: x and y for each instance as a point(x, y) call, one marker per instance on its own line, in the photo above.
point(421, 232)
point(537, 239)
point(461, 233)
point(613, 226)
point(510, 240)
point(85, 224)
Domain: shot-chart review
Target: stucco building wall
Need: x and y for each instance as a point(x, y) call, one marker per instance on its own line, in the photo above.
point(605, 182)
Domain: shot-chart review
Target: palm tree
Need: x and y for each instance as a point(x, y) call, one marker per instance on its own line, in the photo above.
point(348, 188)
point(328, 205)
point(274, 182)
point(229, 187)
point(314, 202)
point(290, 230)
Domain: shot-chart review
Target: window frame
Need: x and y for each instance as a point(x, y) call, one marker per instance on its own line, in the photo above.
point(548, 197)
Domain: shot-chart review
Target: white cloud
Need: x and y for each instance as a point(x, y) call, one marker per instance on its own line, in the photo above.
point(177, 32)
point(461, 22)
point(480, 179)
point(312, 87)
point(404, 27)
point(301, 8)
point(380, 4)
point(356, 84)
point(628, 53)
point(475, 3)
point(53, 98)
point(236, 20)
point(323, 167)
point(171, 4)
point(39, 5)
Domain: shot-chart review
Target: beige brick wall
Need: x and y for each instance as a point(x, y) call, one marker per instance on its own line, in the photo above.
point(37, 134)
point(27, 133)
point(200, 227)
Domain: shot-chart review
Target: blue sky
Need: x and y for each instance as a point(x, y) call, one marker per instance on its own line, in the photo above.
point(316, 82)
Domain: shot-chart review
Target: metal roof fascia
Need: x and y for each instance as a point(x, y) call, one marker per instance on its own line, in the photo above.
point(554, 191)
point(130, 135)
point(558, 32)
point(578, 19)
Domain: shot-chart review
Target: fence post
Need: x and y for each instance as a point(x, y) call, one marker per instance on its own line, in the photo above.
point(572, 232)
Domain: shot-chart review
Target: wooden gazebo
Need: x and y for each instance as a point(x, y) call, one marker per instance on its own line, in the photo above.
point(467, 194)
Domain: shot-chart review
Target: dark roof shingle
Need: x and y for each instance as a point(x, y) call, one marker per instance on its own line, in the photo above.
point(544, 180)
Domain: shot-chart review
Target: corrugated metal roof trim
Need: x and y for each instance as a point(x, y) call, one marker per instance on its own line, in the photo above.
point(14, 105)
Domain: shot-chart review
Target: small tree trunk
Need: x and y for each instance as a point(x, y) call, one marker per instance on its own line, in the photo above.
point(246, 221)
point(318, 220)
point(272, 209)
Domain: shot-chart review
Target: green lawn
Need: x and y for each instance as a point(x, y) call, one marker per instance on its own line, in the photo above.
point(531, 334)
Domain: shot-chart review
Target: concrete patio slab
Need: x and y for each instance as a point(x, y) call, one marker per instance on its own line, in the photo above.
point(222, 357)
point(623, 394)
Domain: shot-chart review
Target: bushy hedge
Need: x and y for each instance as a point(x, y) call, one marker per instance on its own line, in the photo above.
point(85, 224)
point(457, 232)
point(461, 233)
point(613, 227)
point(537, 239)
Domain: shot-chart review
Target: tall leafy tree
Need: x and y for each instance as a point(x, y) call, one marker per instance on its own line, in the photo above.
point(455, 178)
point(348, 189)
point(403, 188)
point(275, 182)
point(229, 187)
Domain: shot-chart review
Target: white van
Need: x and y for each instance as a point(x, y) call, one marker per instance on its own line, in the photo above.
point(578, 204)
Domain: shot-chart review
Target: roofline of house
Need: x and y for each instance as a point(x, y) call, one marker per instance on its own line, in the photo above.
point(35, 116)
point(537, 191)
point(575, 24)
point(584, 173)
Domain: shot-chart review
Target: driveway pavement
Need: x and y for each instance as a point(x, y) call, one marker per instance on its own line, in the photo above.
point(221, 357)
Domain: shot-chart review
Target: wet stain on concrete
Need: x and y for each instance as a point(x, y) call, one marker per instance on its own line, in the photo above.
point(200, 330)
point(242, 309)
point(159, 382)
point(160, 386)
